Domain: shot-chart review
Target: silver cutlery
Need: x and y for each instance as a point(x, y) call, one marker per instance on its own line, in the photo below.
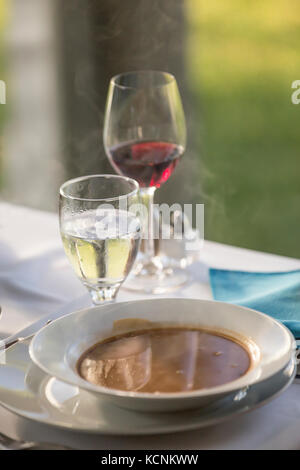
point(11, 342)
point(6, 443)
point(31, 330)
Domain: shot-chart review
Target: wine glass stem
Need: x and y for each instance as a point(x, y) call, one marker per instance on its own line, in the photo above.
point(104, 295)
point(147, 197)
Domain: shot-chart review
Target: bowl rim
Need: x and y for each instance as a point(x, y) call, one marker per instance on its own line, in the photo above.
point(228, 387)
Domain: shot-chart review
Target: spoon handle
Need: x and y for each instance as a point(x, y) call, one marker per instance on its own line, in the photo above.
point(32, 329)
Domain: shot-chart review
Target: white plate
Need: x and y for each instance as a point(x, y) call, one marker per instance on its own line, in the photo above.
point(57, 347)
point(28, 392)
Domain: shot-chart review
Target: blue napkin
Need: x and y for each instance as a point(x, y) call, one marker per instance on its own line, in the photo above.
point(277, 294)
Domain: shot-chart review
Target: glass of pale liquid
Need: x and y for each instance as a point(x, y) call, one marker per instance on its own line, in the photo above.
point(100, 231)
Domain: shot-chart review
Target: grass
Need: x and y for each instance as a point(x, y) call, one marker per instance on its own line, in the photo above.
point(242, 58)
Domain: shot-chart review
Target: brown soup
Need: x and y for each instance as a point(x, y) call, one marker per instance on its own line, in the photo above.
point(164, 360)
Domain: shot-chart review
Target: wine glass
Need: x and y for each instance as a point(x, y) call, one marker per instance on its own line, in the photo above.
point(100, 231)
point(144, 137)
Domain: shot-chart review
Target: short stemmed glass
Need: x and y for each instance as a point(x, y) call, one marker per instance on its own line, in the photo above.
point(144, 137)
point(100, 231)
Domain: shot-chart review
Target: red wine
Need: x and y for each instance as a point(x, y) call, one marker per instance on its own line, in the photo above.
point(150, 163)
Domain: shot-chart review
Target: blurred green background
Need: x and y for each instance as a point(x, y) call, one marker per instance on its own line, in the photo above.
point(234, 61)
point(242, 58)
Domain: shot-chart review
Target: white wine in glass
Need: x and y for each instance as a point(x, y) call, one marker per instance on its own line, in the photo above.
point(100, 238)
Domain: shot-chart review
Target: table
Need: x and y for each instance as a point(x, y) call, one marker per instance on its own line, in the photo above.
point(35, 279)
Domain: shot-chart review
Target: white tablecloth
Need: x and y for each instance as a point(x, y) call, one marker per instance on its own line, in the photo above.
point(36, 279)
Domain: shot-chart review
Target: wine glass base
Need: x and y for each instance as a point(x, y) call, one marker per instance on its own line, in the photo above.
point(164, 281)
